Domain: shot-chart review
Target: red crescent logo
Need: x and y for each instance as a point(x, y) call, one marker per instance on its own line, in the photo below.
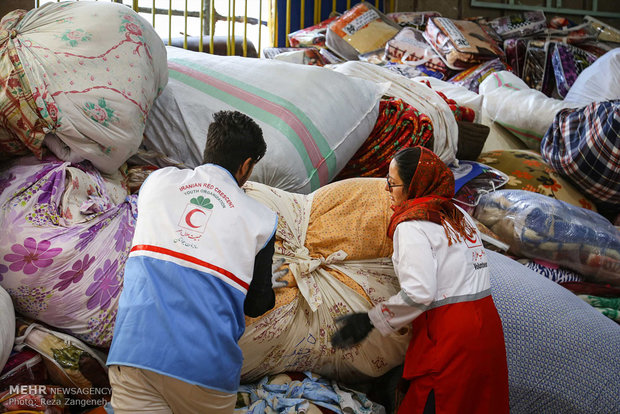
point(473, 238)
point(188, 217)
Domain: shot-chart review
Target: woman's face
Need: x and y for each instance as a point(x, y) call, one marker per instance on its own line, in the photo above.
point(394, 185)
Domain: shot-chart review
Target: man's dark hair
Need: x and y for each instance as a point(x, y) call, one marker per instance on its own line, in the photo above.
point(406, 163)
point(232, 138)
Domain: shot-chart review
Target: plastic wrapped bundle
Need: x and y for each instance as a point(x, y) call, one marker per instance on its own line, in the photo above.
point(472, 78)
point(413, 19)
point(539, 227)
point(301, 56)
point(527, 170)
point(409, 46)
point(335, 243)
point(519, 25)
point(460, 43)
point(361, 29)
point(70, 363)
point(86, 74)
point(568, 62)
point(515, 50)
point(537, 72)
point(313, 36)
point(23, 367)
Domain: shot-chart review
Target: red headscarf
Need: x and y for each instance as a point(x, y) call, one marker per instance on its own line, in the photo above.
point(429, 199)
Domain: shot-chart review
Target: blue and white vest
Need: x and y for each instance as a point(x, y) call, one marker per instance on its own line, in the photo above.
point(192, 260)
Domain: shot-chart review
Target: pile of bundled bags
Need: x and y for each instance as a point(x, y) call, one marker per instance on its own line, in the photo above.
point(546, 88)
point(74, 101)
point(79, 139)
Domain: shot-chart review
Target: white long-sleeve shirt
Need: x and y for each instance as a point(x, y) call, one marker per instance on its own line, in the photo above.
point(431, 273)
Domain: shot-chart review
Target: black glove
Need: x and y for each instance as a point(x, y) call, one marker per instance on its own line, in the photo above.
point(353, 329)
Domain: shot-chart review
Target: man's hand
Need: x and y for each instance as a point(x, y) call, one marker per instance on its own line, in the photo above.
point(354, 328)
point(276, 283)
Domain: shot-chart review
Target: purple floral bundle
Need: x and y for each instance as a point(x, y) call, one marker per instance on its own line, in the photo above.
point(64, 273)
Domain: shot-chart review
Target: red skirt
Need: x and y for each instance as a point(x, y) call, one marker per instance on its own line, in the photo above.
point(458, 351)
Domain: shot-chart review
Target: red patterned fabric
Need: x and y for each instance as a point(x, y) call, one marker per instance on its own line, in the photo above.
point(429, 199)
point(21, 127)
point(594, 289)
point(461, 113)
point(399, 125)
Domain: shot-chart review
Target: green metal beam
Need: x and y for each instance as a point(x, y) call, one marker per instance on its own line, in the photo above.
point(559, 10)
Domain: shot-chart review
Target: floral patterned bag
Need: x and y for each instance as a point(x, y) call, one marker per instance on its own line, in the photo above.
point(89, 86)
point(63, 254)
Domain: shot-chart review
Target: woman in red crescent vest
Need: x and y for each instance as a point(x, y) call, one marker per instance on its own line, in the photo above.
point(456, 360)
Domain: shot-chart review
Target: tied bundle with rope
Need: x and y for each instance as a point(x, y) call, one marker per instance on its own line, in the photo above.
point(399, 125)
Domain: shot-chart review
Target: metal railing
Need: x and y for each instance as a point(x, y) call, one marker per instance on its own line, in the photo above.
point(298, 15)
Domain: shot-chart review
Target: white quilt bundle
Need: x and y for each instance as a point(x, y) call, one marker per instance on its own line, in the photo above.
point(94, 70)
point(335, 243)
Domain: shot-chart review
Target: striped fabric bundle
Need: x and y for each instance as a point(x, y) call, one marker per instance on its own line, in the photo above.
point(312, 128)
point(399, 125)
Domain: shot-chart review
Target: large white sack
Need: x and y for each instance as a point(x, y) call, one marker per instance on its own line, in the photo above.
point(598, 82)
point(499, 138)
point(7, 327)
point(94, 69)
point(421, 97)
point(313, 119)
point(525, 112)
